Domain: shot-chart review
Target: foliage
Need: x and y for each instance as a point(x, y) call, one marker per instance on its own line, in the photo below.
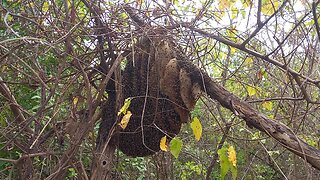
point(196, 128)
point(228, 161)
point(55, 56)
point(125, 120)
point(125, 107)
point(163, 143)
point(175, 147)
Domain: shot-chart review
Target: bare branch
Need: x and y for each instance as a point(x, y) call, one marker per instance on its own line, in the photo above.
point(15, 107)
point(260, 25)
point(315, 17)
point(254, 53)
point(253, 118)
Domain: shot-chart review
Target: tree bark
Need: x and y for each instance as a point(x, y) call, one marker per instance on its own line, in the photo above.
point(254, 118)
point(103, 163)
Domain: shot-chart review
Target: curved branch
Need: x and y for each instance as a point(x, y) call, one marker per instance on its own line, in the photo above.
point(6, 93)
point(254, 118)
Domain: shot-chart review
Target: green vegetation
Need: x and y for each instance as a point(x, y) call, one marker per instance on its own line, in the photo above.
point(52, 86)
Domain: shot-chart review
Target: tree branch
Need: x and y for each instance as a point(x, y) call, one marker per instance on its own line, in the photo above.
point(283, 134)
point(253, 118)
point(215, 155)
point(87, 120)
point(14, 106)
point(315, 17)
point(260, 25)
point(254, 53)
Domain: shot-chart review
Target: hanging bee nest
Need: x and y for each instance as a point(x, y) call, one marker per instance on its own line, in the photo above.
point(162, 96)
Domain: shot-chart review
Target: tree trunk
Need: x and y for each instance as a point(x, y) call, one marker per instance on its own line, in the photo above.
point(25, 168)
point(103, 163)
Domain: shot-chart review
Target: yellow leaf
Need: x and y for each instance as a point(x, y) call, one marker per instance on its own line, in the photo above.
point(9, 17)
point(223, 4)
point(125, 120)
point(251, 91)
point(163, 144)
point(196, 128)
point(69, 3)
point(125, 106)
point(267, 105)
point(45, 6)
point(31, 4)
point(235, 12)
point(271, 116)
point(233, 50)
point(247, 3)
point(249, 61)
point(75, 100)
point(232, 156)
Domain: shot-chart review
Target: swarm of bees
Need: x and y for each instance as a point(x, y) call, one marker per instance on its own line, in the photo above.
point(162, 92)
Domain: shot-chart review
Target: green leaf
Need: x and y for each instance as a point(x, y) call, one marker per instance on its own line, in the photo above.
point(36, 97)
point(140, 177)
point(196, 128)
point(72, 173)
point(243, 13)
point(125, 107)
point(224, 162)
point(4, 3)
point(175, 146)
point(234, 171)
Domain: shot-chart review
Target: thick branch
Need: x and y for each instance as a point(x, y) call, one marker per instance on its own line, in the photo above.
point(315, 17)
point(4, 90)
point(253, 118)
point(14, 106)
point(25, 168)
point(86, 122)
